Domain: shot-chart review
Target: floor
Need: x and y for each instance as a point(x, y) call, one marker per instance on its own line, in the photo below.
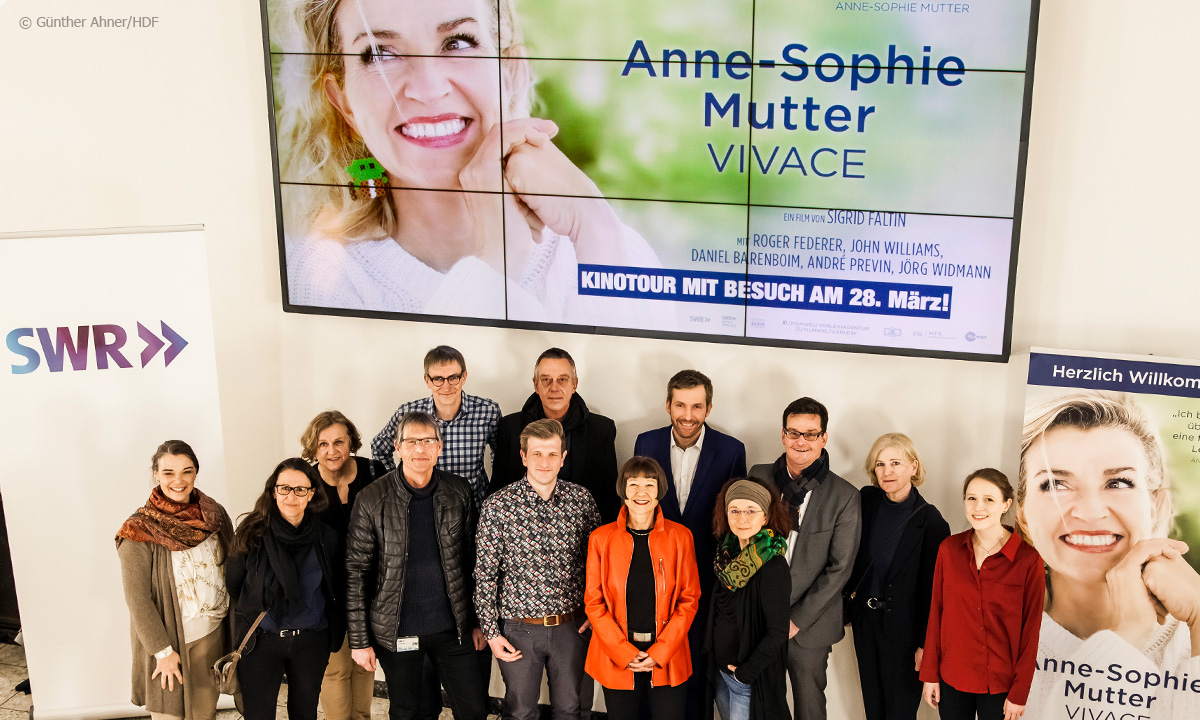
point(15, 705)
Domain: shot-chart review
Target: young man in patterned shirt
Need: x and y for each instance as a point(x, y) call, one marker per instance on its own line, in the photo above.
point(530, 573)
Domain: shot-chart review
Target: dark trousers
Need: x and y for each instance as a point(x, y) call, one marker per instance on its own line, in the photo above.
point(452, 659)
point(303, 657)
point(697, 683)
point(891, 687)
point(664, 703)
point(559, 651)
point(431, 692)
point(959, 705)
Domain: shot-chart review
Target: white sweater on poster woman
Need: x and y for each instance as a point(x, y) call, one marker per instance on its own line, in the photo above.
point(381, 275)
point(1168, 650)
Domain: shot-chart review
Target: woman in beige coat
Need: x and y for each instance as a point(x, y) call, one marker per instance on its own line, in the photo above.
point(172, 550)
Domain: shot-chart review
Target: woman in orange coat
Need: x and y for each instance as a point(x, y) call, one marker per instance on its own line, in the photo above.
point(642, 595)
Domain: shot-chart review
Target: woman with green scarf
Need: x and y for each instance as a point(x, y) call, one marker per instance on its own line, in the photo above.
point(748, 625)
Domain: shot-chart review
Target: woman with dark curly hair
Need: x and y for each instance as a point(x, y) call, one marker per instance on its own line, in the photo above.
point(283, 569)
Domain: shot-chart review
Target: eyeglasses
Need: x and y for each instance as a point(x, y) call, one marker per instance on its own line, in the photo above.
point(439, 381)
point(545, 381)
point(810, 436)
point(748, 514)
point(414, 443)
point(288, 490)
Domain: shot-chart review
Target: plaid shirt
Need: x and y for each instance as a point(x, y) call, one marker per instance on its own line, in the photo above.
point(531, 554)
point(463, 439)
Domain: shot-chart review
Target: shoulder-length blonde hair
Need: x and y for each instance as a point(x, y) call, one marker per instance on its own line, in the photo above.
point(905, 445)
point(315, 142)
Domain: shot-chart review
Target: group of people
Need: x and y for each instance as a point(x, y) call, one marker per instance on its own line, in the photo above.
point(677, 581)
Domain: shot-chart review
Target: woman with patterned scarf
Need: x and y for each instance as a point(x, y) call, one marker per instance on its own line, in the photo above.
point(172, 552)
point(748, 624)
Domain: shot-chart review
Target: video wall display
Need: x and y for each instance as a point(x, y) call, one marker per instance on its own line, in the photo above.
point(813, 173)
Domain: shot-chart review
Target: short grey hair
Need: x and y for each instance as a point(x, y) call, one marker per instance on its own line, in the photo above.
point(422, 419)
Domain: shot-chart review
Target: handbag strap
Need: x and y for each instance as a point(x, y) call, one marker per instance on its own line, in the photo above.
point(250, 632)
point(888, 541)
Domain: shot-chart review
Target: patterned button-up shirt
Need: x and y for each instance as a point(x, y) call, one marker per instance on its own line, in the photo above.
point(532, 553)
point(463, 438)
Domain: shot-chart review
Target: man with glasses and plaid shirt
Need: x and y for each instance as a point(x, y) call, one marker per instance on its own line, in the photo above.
point(820, 549)
point(467, 423)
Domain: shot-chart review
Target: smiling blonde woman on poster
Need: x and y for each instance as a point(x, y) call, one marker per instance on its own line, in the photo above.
point(1095, 501)
point(172, 552)
point(985, 611)
point(437, 97)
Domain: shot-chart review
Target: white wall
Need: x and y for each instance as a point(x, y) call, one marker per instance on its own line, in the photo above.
point(168, 126)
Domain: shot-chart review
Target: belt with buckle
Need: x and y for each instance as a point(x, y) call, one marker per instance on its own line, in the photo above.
point(551, 620)
point(876, 604)
point(289, 633)
point(641, 637)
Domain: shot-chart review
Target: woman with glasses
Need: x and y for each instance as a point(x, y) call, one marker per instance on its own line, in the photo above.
point(748, 624)
point(889, 590)
point(172, 552)
point(331, 442)
point(284, 566)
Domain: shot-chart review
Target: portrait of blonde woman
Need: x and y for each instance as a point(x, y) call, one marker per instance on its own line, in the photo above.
point(1095, 501)
point(414, 178)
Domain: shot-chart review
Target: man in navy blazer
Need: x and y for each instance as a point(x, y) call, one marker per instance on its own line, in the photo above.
point(697, 460)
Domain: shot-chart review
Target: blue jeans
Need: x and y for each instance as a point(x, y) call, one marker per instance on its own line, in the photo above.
point(733, 698)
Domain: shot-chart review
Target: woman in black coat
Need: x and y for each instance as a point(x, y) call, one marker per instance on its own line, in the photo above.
point(890, 588)
point(283, 562)
point(748, 626)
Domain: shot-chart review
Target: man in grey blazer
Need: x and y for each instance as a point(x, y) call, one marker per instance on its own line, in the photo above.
point(821, 549)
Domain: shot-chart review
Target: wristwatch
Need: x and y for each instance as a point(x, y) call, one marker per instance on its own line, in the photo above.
point(164, 654)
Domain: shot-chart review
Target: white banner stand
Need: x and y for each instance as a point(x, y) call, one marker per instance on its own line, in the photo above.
point(108, 352)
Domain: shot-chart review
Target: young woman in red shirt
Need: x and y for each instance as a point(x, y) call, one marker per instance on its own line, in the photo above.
point(986, 611)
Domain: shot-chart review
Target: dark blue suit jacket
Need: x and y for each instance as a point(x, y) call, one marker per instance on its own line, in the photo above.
point(721, 458)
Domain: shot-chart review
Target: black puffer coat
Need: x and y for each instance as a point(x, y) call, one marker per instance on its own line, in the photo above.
point(377, 554)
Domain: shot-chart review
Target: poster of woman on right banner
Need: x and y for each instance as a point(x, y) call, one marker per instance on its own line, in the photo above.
point(1108, 493)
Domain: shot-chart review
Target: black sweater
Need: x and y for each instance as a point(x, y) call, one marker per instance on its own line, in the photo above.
point(591, 459)
point(761, 608)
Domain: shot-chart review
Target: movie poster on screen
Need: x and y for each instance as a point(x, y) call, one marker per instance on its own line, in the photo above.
point(783, 171)
point(1110, 467)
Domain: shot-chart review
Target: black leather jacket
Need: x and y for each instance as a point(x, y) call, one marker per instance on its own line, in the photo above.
point(377, 551)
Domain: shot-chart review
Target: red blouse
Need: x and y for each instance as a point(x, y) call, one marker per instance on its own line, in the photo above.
point(983, 627)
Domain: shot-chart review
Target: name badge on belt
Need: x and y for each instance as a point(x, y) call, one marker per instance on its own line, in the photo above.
point(406, 644)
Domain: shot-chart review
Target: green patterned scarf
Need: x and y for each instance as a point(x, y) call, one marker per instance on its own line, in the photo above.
point(735, 565)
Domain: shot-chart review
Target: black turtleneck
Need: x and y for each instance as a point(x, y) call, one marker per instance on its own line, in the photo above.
point(884, 538)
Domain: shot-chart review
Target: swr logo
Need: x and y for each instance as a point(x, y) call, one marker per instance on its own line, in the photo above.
point(107, 342)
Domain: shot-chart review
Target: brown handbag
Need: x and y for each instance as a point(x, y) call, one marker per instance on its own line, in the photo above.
point(223, 673)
